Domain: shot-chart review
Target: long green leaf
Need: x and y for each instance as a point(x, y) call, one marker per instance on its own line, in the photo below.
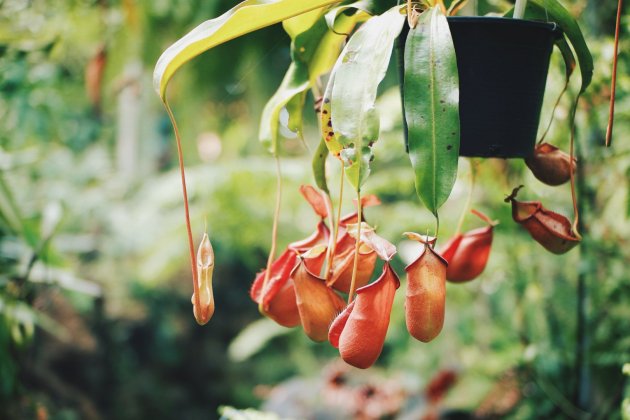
point(431, 96)
point(244, 18)
point(553, 11)
point(357, 74)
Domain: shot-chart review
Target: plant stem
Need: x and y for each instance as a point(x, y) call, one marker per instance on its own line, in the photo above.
point(519, 9)
point(583, 326)
point(274, 232)
point(335, 226)
point(553, 112)
point(353, 283)
point(468, 199)
point(576, 211)
point(331, 241)
point(182, 173)
point(613, 81)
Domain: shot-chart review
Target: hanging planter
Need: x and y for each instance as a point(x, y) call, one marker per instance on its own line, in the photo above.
point(471, 87)
point(502, 67)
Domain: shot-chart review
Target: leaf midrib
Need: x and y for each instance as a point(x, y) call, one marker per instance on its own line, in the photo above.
point(433, 119)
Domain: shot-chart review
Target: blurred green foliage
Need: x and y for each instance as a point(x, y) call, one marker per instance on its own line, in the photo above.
point(95, 314)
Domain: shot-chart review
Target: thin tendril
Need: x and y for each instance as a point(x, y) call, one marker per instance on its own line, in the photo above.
point(553, 112)
point(274, 231)
point(576, 216)
point(191, 246)
point(353, 283)
point(333, 241)
point(437, 225)
point(468, 199)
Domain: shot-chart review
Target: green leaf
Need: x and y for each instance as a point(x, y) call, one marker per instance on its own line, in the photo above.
point(553, 11)
point(328, 135)
point(567, 56)
point(329, 45)
point(301, 23)
point(360, 6)
point(431, 96)
point(357, 74)
point(244, 18)
point(319, 166)
point(314, 52)
point(295, 108)
point(295, 82)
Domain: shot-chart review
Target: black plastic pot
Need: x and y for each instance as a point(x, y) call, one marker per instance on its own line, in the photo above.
point(503, 65)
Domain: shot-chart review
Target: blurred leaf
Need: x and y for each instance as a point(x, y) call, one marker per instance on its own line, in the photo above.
point(41, 273)
point(23, 318)
point(231, 413)
point(9, 213)
point(53, 212)
point(253, 338)
point(246, 17)
point(313, 52)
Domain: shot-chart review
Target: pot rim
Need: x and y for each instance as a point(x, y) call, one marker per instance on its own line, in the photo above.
point(499, 20)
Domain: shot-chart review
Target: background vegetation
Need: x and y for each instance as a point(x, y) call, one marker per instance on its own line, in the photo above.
point(95, 314)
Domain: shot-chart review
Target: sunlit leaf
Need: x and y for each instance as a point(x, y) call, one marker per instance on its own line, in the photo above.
point(244, 18)
point(301, 23)
point(314, 52)
point(358, 72)
point(361, 7)
point(431, 94)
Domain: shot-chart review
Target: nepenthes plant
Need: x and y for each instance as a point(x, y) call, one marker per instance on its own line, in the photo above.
point(470, 86)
